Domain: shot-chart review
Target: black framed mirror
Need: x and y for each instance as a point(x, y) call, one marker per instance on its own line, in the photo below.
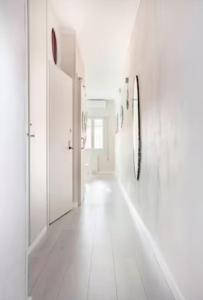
point(137, 138)
point(54, 46)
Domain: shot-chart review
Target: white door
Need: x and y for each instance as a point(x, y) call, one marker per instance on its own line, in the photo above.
point(37, 117)
point(60, 143)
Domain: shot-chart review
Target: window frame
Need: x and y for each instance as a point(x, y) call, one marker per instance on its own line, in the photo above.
point(92, 130)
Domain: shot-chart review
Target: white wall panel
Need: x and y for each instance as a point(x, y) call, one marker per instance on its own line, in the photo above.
point(166, 52)
point(12, 149)
point(38, 95)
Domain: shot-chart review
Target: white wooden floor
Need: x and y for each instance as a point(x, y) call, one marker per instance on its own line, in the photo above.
point(95, 253)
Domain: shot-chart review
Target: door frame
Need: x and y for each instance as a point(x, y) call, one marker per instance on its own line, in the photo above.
point(27, 131)
point(77, 112)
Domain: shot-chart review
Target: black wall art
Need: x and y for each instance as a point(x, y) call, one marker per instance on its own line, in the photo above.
point(137, 138)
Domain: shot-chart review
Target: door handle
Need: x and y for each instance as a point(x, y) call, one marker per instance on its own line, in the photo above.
point(31, 135)
point(69, 146)
point(84, 143)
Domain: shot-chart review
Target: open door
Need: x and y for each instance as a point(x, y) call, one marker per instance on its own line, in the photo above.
point(60, 143)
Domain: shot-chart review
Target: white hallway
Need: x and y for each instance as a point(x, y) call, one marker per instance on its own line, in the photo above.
point(60, 55)
point(96, 252)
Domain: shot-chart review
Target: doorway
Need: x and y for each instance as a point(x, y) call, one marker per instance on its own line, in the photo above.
point(100, 142)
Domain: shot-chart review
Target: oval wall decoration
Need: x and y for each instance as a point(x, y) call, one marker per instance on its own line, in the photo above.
point(54, 45)
point(137, 138)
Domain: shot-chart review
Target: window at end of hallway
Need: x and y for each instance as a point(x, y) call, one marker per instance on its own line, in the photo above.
point(89, 134)
point(98, 134)
point(95, 134)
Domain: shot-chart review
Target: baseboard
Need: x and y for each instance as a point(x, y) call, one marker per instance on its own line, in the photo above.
point(75, 205)
point(107, 173)
point(141, 227)
point(37, 241)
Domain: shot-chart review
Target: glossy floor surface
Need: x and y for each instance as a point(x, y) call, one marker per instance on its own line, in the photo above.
point(95, 253)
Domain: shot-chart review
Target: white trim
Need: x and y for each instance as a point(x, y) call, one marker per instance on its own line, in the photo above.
point(27, 218)
point(47, 117)
point(152, 245)
point(37, 240)
point(75, 204)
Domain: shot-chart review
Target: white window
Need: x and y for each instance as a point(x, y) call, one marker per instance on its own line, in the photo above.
point(98, 134)
point(95, 134)
point(89, 134)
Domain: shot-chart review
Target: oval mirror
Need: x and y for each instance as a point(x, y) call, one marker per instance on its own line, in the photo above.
point(54, 45)
point(137, 146)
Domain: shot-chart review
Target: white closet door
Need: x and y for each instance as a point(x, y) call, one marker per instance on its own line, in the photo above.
point(37, 118)
point(60, 143)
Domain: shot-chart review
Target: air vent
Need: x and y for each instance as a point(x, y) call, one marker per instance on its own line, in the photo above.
point(100, 104)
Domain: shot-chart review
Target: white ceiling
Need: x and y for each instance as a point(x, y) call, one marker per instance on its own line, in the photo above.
point(103, 28)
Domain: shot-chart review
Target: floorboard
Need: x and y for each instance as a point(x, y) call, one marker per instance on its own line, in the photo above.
point(94, 253)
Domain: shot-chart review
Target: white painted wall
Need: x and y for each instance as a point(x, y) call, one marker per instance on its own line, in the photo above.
point(12, 150)
point(80, 67)
point(66, 42)
point(38, 107)
point(68, 52)
point(166, 52)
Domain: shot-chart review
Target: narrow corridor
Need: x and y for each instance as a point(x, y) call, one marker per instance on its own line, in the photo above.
point(98, 87)
point(95, 253)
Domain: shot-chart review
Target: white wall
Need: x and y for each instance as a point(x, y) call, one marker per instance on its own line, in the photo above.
point(66, 43)
point(68, 52)
point(167, 53)
point(12, 150)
